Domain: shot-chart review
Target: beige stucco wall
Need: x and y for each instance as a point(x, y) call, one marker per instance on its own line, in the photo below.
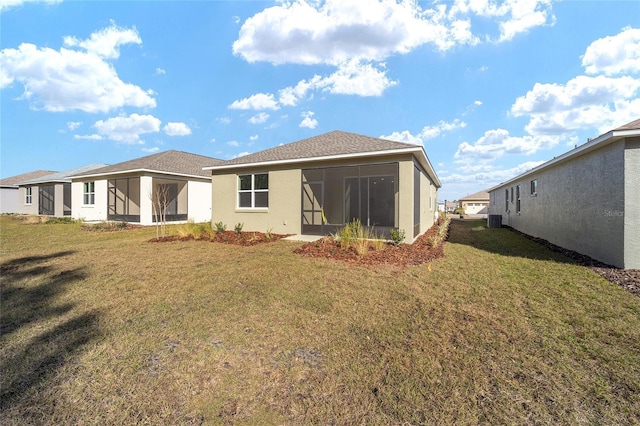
point(579, 205)
point(475, 206)
point(95, 212)
point(632, 203)
point(285, 197)
point(28, 208)
point(283, 214)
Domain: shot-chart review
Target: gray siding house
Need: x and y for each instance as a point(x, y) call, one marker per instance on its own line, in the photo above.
point(9, 189)
point(49, 195)
point(586, 200)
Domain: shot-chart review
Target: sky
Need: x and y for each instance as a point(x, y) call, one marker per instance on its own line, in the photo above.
point(489, 88)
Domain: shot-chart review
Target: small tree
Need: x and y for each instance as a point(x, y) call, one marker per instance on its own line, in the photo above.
point(160, 203)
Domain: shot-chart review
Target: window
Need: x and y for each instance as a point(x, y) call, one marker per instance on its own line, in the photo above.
point(534, 187)
point(89, 193)
point(518, 199)
point(28, 199)
point(253, 191)
point(506, 200)
point(512, 194)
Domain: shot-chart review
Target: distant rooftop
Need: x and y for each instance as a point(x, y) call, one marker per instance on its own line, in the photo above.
point(172, 161)
point(480, 195)
point(63, 177)
point(15, 180)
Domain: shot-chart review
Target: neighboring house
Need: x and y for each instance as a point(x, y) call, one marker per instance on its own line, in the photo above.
point(9, 190)
point(586, 200)
point(124, 191)
point(317, 185)
point(450, 206)
point(475, 204)
point(49, 195)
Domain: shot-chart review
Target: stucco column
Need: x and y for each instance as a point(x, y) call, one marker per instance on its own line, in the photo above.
point(146, 207)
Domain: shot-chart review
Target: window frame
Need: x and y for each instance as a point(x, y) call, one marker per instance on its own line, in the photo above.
point(252, 191)
point(518, 198)
point(506, 200)
point(89, 193)
point(28, 195)
point(534, 187)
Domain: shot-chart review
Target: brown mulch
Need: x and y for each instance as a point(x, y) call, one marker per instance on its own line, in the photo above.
point(226, 237)
point(628, 279)
point(417, 253)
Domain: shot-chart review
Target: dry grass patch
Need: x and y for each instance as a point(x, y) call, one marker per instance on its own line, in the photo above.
point(108, 328)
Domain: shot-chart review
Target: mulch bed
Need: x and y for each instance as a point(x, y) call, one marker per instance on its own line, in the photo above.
point(417, 253)
point(226, 237)
point(628, 279)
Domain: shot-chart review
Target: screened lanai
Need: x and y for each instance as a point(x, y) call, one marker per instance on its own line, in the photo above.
point(333, 196)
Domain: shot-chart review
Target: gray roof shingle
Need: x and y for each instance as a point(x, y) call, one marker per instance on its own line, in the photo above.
point(62, 176)
point(172, 161)
point(481, 195)
point(325, 145)
point(634, 125)
point(15, 180)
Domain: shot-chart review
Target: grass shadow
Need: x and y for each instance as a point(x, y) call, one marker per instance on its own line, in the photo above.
point(38, 334)
point(502, 241)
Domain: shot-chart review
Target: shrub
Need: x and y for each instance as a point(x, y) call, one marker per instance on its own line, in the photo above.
point(220, 227)
point(238, 227)
point(397, 236)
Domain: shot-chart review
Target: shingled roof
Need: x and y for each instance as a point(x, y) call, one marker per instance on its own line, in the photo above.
point(634, 125)
point(63, 177)
point(481, 195)
point(336, 143)
point(15, 180)
point(169, 162)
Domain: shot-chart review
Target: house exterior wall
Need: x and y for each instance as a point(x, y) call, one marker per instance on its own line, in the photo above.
point(577, 204)
point(283, 215)
point(58, 204)
point(25, 208)
point(9, 200)
point(199, 201)
point(632, 203)
point(90, 213)
point(475, 206)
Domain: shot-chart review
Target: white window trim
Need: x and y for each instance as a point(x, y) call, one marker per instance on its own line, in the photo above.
point(28, 196)
point(89, 193)
point(252, 191)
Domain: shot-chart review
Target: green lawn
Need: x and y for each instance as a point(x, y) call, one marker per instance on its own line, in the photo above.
point(107, 328)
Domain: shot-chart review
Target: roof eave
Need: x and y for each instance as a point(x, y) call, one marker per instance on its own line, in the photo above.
point(595, 143)
point(424, 160)
point(121, 172)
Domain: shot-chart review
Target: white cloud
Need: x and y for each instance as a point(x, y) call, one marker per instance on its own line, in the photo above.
point(176, 129)
point(127, 129)
point(253, 138)
point(160, 71)
point(73, 125)
point(477, 103)
point(66, 79)
point(583, 102)
point(334, 31)
point(258, 102)
point(597, 102)
point(614, 55)
point(7, 4)
point(259, 118)
point(496, 143)
point(489, 175)
point(427, 132)
point(93, 137)
point(151, 150)
point(357, 78)
point(224, 120)
point(106, 42)
point(308, 121)
point(233, 143)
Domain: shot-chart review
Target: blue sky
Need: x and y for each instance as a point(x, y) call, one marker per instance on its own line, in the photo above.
point(489, 88)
